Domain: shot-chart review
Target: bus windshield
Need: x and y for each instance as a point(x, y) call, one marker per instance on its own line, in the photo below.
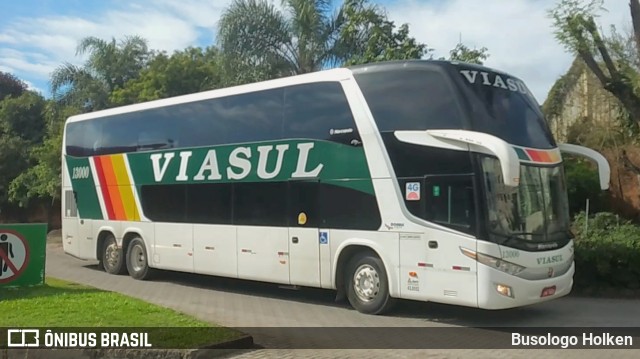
point(536, 210)
point(504, 107)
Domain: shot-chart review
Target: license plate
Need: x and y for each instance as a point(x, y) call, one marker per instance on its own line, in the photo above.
point(548, 291)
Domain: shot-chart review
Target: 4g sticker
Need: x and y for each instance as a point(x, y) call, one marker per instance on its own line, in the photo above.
point(412, 191)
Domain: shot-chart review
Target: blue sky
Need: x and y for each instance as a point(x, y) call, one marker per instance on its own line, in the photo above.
point(36, 36)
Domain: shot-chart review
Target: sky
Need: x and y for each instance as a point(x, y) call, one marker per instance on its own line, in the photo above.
point(36, 36)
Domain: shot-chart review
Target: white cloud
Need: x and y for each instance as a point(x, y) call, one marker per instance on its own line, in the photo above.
point(167, 25)
point(517, 33)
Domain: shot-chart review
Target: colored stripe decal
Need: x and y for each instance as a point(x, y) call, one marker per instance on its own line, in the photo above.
point(103, 187)
point(521, 154)
point(124, 186)
point(535, 156)
point(114, 190)
point(541, 156)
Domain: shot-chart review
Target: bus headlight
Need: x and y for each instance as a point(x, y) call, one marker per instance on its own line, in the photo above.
point(497, 263)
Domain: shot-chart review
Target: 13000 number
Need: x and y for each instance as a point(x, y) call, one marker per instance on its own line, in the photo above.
point(80, 172)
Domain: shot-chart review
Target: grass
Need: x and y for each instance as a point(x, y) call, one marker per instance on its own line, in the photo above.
point(64, 304)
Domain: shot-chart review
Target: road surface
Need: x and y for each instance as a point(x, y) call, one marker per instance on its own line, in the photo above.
point(242, 304)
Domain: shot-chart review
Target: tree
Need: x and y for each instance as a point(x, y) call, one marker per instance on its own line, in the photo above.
point(21, 126)
point(463, 53)
point(259, 42)
point(11, 85)
point(108, 67)
point(192, 70)
point(22, 117)
point(607, 57)
point(366, 35)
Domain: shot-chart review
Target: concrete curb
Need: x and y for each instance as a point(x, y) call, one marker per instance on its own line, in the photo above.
point(218, 350)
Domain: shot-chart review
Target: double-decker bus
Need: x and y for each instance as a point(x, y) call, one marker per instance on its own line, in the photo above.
point(424, 180)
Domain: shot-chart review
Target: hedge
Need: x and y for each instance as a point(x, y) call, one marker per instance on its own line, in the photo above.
point(607, 253)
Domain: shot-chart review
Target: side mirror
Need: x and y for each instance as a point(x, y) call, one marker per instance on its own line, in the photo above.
point(604, 171)
point(463, 140)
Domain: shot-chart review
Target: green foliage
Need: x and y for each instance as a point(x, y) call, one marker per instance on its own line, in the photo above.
point(109, 67)
point(367, 35)
point(189, 71)
point(582, 184)
point(463, 53)
point(260, 42)
point(13, 161)
point(607, 254)
point(22, 117)
point(42, 179)
point(613, 59)
point(11, 85)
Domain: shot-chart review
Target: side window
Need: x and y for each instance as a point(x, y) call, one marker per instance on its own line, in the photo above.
point(250, 117)
point(70, 205)
point(83, 138)
point(319, 111)
point(345, 207)
point(260, 204)
point(119, 134)
point(449, 201)
point(303, 204)
point(209, 203)
point(164, 203)
point(410, 100)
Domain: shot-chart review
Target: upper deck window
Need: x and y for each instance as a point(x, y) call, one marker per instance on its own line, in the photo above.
point(411, 99)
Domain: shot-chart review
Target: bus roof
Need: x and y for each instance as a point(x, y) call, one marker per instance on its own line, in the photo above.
point(325, 75)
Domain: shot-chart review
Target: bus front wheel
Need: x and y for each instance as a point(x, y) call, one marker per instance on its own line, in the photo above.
point(367, 284)
point(112, 256)
point(137, 260)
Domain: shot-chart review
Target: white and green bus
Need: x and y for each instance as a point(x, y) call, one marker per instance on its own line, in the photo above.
point(425, 180)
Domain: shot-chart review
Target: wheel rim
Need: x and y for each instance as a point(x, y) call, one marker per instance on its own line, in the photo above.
point(137, 259)
point(111, 254)
point(366, 283)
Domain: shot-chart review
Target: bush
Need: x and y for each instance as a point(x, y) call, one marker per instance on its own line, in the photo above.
point(582, 183)
point(607, 254)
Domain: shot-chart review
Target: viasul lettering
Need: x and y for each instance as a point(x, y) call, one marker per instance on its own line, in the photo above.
point(269, 164)
point(550, 260)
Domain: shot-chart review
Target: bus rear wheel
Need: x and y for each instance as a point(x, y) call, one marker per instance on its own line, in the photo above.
point(367, 284)
point(112, 256)
point(137, 260)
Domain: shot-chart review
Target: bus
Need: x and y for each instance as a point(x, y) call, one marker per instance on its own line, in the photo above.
point(424, 180)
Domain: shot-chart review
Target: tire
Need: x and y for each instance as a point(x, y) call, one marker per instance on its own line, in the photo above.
point(138, 260)
point(112, 256)
point(367, 284)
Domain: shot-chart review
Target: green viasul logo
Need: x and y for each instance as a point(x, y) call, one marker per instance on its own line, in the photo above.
point(266, 161)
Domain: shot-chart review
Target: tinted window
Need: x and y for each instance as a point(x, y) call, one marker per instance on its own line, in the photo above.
point(260, 204)
point(256, 116)
point(449, 201)
point(347, 208)
point(209, 203)
point(503, 106)
point(410, 100)
point(319, 111)
point(303, 199)
point(241, 118)
point(83, 138)
point(164, 203)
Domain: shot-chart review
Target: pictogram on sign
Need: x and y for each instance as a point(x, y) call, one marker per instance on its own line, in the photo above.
point(14, 255)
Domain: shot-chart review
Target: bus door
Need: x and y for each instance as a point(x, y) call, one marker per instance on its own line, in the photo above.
point(70, 222)
point(449, 201)
point(304, 243)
